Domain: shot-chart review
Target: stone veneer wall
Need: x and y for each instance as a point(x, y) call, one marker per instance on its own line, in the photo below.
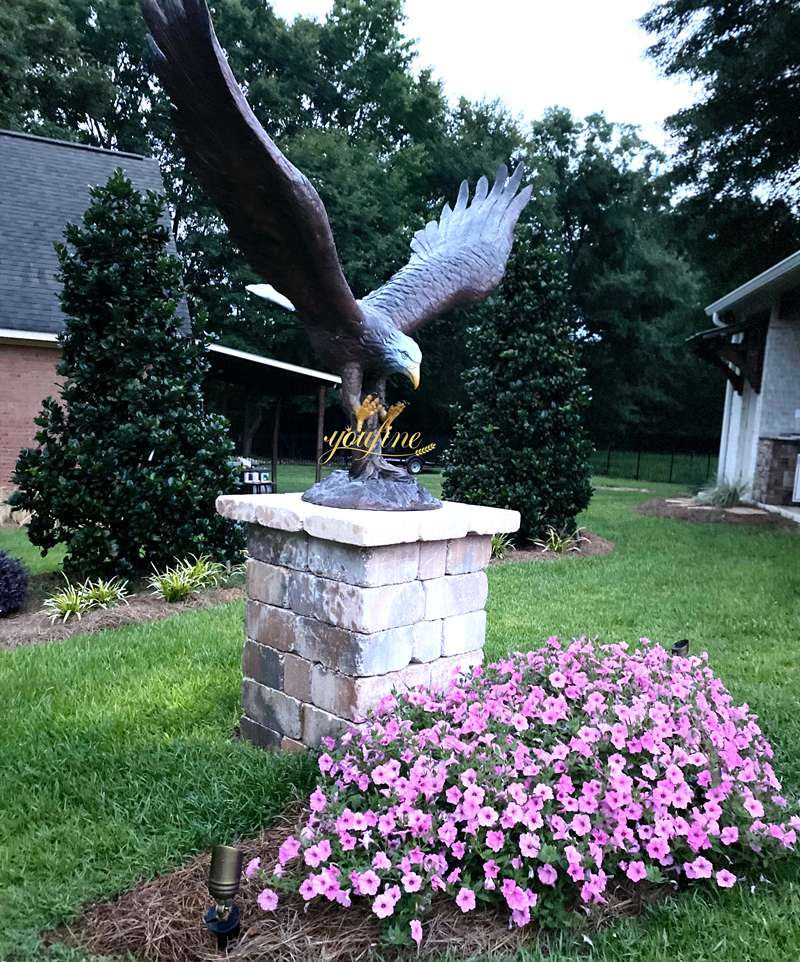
point(776, 463)
point(333, 627)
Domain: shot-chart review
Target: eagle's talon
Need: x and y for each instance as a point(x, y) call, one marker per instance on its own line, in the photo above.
point(394, 412)
point(368, 407)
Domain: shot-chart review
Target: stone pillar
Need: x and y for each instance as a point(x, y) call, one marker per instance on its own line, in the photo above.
point(345, 606)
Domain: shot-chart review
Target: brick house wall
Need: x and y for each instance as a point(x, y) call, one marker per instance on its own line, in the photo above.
point(27, 377)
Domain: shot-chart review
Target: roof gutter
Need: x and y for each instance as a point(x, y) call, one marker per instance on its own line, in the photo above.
point(765, 279)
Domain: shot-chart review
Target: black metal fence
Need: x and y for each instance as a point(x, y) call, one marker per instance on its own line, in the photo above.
point(680, 467)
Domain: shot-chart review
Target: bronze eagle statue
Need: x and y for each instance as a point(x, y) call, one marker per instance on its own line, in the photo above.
point(277, 220)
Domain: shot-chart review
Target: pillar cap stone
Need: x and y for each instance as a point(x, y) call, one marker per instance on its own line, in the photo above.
point(288, 512)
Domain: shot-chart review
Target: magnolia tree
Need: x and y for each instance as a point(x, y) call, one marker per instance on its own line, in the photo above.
point(129, 461)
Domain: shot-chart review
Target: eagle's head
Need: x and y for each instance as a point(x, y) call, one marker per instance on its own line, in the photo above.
point(403, 356)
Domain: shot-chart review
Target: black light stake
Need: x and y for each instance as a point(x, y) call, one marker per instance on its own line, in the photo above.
point(224, 876)
point(681, 648)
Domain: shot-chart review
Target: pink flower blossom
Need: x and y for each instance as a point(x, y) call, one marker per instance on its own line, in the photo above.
point(547, 874)
point(267, 900)
point(725, 879)
point(367, 884)
point(252, 867)
point(288, 850)
point(529, 845)
point(465, 899)
point(495, 840)
point(383, 906)
point(381, 861)
point(317, 801)
point(636, 871)
point(581, 825)
point(416, 930)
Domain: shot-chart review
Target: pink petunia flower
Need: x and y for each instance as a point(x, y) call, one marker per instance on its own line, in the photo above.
point(547, 875)
point(725, 879)
point(636, 871)
point(383, 906)
point(465, 899)
point(288, 850)
point(495, 840)
point(411, 882)
point(252, 867)
point(416, 930)
point(267, 900)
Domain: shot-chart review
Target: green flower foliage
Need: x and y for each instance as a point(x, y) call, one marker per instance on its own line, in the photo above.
point(520, 441)
point(129, 465)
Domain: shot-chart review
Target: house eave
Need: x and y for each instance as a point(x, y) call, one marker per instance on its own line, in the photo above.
point(30, 338)
point(308, 372)
point(777, 277)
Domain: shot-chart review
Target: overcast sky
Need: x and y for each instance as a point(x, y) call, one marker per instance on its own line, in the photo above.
point(587, 55)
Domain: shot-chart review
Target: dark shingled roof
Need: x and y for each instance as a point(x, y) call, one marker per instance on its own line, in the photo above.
point(44, 184)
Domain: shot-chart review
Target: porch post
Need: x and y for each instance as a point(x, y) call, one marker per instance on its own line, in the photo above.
point(275, 434)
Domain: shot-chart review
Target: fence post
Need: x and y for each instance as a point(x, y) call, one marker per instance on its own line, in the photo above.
point(638, 463)
point(708, 467)
point(608, 462)
point(671, 464)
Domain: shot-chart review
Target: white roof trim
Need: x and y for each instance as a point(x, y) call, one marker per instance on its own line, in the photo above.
point(8, 334)
point(764, 279)
point(282, 365)
point(43, 337)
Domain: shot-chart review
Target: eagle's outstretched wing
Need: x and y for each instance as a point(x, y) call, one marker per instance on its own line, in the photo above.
point(273, 213)
point(458, 259)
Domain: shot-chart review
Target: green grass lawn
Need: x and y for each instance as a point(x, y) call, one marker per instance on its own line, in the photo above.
point(117, 760)
point(14, 541)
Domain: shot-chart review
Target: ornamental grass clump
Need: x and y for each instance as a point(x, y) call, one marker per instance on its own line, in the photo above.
point(536, 786)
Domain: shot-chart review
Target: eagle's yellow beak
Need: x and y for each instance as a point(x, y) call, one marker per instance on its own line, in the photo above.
point(413, 375)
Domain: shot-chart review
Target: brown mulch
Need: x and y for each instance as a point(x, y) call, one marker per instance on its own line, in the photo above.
point(702, 514)
point(161, 920)
point(593, 546)
point(33, 626)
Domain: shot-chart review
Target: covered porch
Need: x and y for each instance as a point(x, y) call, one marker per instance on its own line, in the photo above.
point(267, 379)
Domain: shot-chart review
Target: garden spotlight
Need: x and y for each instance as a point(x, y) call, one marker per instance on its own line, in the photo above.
point(224, 876)
point(681, 648)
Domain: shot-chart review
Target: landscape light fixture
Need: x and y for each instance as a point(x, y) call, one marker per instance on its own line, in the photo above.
point(224, 876)
point(681, 648)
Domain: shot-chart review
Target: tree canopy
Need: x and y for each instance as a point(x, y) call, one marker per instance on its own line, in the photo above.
point(646, 244)
point(741, 132)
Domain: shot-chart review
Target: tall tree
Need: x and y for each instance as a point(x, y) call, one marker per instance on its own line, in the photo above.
point(636, 296)
point(130, 464)
point(744, 57)
point(520, 441)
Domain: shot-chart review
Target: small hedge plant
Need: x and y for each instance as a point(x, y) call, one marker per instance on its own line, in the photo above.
point(76, 599)
point(187, 577)
point(13, 584)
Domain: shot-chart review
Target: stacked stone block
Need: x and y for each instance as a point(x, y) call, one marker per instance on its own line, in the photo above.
point(332, 626)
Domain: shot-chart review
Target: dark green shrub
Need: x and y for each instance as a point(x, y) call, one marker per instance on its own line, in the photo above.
point(520, 441)
point(13, 584)
point(131, 462)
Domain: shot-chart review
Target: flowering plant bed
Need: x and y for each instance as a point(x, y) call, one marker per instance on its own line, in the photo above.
point(535, 787)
